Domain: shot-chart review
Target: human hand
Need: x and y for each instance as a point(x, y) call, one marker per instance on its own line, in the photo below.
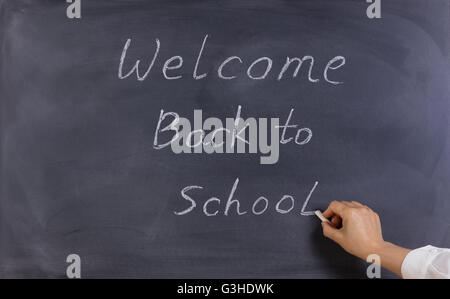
point(355, 227)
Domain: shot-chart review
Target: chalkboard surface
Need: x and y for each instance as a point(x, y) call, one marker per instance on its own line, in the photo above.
point(84, 169)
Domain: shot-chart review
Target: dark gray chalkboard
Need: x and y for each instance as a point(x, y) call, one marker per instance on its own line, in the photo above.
point(79, 173)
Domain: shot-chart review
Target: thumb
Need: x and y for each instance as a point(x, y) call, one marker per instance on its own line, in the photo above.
point(331, 232)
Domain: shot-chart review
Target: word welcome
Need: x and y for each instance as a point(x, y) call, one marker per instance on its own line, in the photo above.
point(212, 206)
point(250, 135)
point(251, 69)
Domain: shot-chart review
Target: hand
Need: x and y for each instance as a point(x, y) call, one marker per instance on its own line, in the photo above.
point(358, 230)
point(360, 234)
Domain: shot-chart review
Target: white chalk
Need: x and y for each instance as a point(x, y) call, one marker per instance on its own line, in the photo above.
point(319, 214)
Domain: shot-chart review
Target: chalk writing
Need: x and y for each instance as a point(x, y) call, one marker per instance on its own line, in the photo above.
point(174, 63)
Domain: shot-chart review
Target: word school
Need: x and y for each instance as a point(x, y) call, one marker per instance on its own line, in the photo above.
point(250, 133)
point(252, 69)
point(213, 205)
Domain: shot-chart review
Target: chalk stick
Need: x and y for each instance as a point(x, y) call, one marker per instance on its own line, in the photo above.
point(319, 214)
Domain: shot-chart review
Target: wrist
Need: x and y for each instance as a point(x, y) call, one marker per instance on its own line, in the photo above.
point(391, 256)
point(378, 248)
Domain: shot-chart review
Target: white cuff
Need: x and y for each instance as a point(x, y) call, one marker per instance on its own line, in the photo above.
point(418, 263)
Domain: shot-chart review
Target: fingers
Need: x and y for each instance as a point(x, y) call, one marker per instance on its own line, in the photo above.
point(331, 232)
point(354, 204)
point(336, 221)
point(348, 204)
point(357, 204)
point(335, 208)
point(336, 211)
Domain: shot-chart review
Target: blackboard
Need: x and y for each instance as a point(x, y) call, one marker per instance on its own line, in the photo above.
point(80, 173)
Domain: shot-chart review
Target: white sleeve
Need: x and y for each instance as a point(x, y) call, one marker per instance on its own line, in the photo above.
point(427, 262)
